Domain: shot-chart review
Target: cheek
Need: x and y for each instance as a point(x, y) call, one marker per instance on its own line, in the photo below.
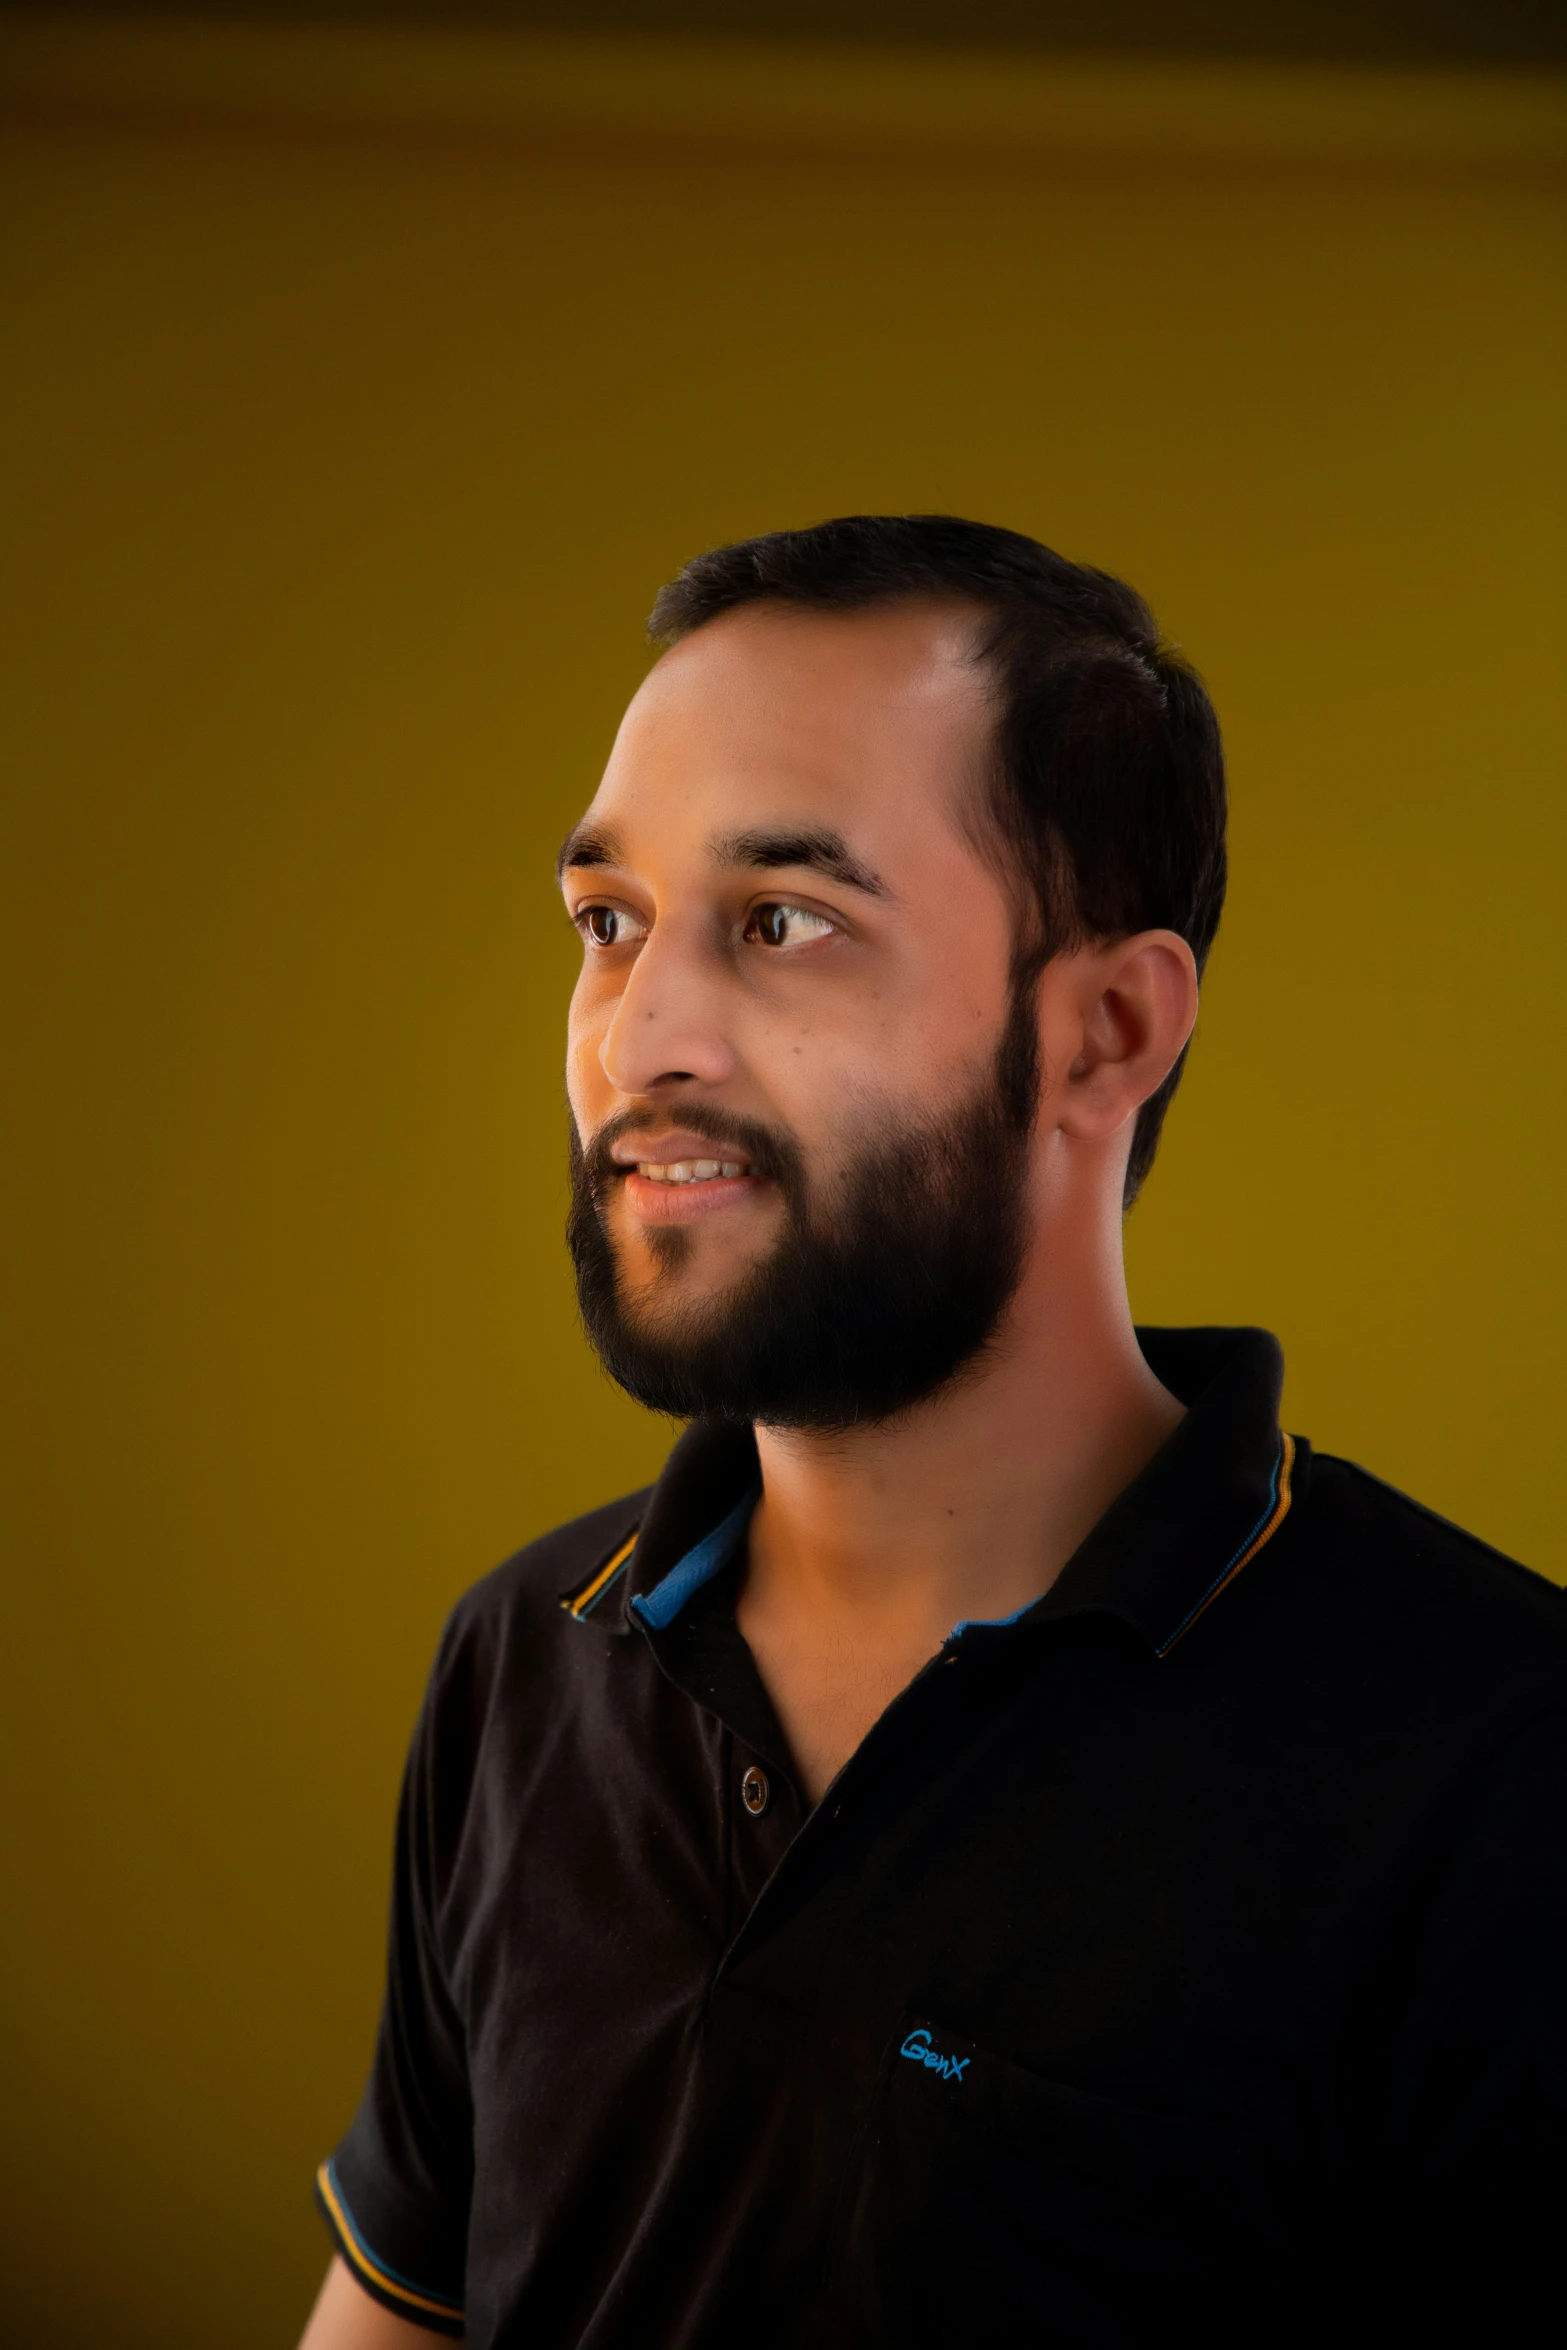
point(839, 1089)
point(586, 1084)
point(921, 1036)
point(910, 1038)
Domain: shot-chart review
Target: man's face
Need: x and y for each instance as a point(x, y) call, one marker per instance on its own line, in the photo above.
point(798, 1174)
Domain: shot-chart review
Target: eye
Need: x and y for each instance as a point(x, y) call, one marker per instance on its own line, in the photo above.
point(609, 926)
point(779, 925)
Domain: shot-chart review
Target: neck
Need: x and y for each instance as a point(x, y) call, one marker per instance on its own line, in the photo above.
point(970, 1505)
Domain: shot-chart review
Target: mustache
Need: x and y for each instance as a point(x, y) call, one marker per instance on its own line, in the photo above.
point(772, 1152)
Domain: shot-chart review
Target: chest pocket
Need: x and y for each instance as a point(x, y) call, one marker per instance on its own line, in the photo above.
point(992, 2207)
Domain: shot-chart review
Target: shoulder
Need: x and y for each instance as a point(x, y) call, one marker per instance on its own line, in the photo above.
point(531, 1589)
point(510, 1637)
point(514, 1677)
point(1423, 1603)
point(1391, 1533)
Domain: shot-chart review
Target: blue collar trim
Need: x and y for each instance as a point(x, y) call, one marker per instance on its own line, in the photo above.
point(992, 1623)
point(659, 1607)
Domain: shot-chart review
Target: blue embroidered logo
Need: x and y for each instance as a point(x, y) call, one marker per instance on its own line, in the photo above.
point(918, 2049)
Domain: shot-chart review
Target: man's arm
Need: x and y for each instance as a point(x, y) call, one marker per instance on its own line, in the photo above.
point(345, 2318)
point(395, 2192)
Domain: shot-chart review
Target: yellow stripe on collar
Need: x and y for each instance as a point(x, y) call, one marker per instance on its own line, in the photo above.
point(578, 1606)
point(1264, 1533)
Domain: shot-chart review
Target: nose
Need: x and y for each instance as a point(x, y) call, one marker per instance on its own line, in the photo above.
point(668, 1029)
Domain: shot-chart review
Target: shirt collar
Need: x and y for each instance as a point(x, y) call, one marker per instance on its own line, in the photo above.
point(1214, 1493)
point(659, 1607)
point(1211, 1497)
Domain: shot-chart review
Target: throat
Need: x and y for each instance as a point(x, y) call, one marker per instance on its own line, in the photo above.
point(830, 1680)
point(866, 1550)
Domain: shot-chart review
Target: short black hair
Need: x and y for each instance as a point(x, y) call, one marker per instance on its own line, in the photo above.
point(1109, 780)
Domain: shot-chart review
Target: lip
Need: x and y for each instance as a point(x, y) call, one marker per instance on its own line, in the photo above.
point(633, 1150)
point(687, 1203)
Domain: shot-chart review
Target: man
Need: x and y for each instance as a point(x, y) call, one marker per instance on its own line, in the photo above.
point(999, 1845)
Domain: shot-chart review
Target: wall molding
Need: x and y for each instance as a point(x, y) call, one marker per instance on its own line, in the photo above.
point(780, 94)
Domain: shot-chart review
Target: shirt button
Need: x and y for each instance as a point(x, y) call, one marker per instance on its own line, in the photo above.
point(754, 1792)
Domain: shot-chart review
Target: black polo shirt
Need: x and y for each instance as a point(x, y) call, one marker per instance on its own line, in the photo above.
point(1187, 1950)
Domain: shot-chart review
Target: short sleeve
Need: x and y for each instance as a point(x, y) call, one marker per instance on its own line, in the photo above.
point(1474, 2123)
point(396, 2192)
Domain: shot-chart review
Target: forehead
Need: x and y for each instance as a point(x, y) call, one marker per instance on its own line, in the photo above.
point(877, 723)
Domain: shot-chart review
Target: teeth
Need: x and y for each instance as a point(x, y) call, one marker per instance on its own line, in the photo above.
point(688, 1170)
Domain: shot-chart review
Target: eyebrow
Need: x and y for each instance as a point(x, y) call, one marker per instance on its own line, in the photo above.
point(817, 848)
point(585, 845)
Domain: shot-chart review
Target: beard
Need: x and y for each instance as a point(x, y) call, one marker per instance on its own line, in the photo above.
point(873, 1298)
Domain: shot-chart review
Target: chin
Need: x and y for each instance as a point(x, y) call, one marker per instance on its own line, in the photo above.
point(663, 1305)
point(685, 1265)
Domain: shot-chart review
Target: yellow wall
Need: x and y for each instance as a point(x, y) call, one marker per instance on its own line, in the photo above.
point(343, 460)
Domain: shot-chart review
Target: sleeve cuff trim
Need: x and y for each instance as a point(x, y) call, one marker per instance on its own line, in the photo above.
point(397, 2292)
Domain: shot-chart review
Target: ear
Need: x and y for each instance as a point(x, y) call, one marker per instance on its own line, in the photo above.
point(1114, 1019)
